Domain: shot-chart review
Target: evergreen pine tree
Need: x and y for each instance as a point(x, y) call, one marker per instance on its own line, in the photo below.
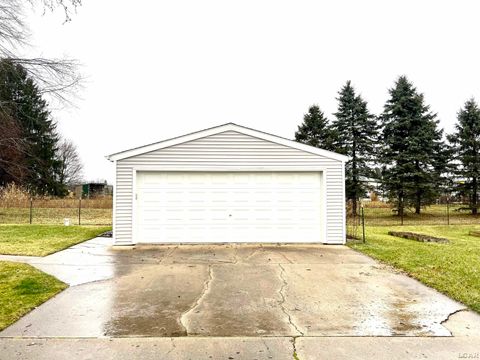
point(413, 154)
point(12, 159)
point(314, 130)
point(21, 99)
point(466, 148)
point(354, 133)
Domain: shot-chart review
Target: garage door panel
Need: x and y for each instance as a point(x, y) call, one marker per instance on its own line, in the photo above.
point(224, 207)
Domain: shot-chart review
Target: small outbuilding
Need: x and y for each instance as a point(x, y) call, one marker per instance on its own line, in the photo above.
point(92, 189)
point(228, 184)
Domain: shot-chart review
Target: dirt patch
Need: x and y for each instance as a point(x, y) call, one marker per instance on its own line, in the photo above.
point(403, 321)
point(418, 237)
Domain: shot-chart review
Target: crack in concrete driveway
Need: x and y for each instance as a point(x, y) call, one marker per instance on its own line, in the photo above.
point(282, 303)
point(184, 316)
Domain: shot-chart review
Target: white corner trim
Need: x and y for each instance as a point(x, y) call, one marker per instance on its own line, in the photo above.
point(344, 212)
point(134, 206)
point(222, 128)
point(324, 204)
point(114, 211)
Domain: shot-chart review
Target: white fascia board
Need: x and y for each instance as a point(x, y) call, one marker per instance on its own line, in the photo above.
point(291, 143)
point(167, 143)
point(222, 128)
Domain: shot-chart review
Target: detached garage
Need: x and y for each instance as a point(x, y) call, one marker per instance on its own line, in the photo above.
point(228, 184)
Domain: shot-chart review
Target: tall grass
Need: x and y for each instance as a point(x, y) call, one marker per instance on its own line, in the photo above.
point(15, 205)
point(14, 196)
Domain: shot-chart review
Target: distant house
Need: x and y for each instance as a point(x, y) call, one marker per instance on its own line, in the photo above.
point(373, 190)
point(92, 189)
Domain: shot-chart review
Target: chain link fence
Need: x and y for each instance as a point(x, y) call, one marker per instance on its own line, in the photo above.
point(379, 213)
point(95, 211)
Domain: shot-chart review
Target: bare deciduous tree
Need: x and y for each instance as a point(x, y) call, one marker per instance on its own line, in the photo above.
point(71, 168)
point(68, 6)
point(57, 77)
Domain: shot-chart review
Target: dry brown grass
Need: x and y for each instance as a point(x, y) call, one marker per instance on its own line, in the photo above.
point(13, 195)
point(15, 205)
point(376, 204)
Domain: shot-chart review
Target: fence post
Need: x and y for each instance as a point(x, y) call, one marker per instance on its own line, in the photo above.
point(403, 209)
point(79, 210)
point(448, 210)
point(363, 224)
point(31, 210)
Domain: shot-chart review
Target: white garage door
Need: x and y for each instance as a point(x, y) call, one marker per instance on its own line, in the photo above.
point(228, 207)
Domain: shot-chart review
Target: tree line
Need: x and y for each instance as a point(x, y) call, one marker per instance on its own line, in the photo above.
point(32, 154)
point(403, 148)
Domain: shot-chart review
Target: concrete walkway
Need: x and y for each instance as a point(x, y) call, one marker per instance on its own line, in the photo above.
point(209, 300)
point(86, 262)
point(259, 348)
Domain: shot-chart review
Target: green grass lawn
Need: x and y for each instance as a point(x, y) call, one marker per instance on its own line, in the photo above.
point(41, 240)
point(453, 269)
point(22, 288)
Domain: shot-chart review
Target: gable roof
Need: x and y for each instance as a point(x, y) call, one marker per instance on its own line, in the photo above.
point(219, 129)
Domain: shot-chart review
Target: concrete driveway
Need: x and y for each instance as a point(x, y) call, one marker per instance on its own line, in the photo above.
point(232, 290)
point(291, 292)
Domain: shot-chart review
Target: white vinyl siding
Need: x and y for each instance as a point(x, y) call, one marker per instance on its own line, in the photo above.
point(236, 151)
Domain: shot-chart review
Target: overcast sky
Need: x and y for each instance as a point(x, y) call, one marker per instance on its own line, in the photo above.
point(158, 69)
